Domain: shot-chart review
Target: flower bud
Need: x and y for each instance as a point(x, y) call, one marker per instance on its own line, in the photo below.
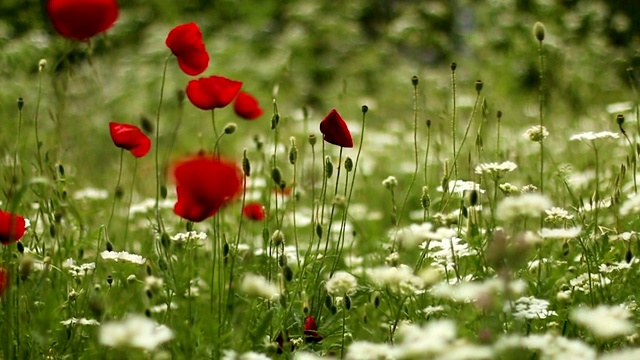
point(414, 80)
point(20, 103)
point(230, 128)
point(246, 165)
point(539, 31)
point(42, 64)
point(312, 139)
point(479, 85)
point(348, 164)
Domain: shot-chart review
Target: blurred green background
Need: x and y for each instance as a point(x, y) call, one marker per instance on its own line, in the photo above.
point(313, 55)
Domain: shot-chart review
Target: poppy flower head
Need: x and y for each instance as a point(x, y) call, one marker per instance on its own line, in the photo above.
point(212, 92)
point(335, 130)
point(130, 137)
point(12, 227)
point(311, 330)
point(185, 42)
point(4, 280)
point(82, 19)
point(203, 185)
point(246, 106)
point(253, 211)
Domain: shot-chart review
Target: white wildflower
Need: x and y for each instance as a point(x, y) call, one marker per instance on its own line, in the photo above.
point(536, 133)
point(82, 321)
point(366, 350)
point(531, 308)
point(124, 256)
point(256, 285)
point(163, 308)
point(494, 168)
point(430, 310)
point(624, 354)
point(341, 283)
point(604, 321)
point(135, 331)
point(458, 187)
point(508, 188)
point(189, 236)
point(399, 279)
point(549, 346)
point(530, 205)
point(390, 182)
point(557, 214)
point(528, 189)
point(569, 233)
point(590, 136)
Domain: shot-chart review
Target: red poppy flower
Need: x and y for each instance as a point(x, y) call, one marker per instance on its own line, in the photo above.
point(82, 19)
point(212, 92)
point(4, 280)
point(185, 42)
point(311, 330)
point(247, 107)
point(335, 130)
point(203, 185)
point(253, 211)
point(12, 227)
point(130, 137)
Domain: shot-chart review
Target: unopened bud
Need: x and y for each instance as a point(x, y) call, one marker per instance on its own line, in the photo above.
point(20, 104)
point(539, 31)
point(277, 238)
point(312, 139)
point(276, 175)
point(42, 64)
point(479, 85)
point(293, 152)
point(246, 165)
point(230, 128)
point(328, 167)
point(414, 80)
point(348, 164)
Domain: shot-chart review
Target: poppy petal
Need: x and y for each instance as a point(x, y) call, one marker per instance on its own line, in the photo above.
point(212, 92)
point(81, 19)
point(185, 42)
point(131, 138)
point(246, 106)
point(12, 227)
point(335, 131)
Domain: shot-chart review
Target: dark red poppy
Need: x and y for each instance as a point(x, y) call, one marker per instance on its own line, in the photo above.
point(185, 42)
point(130, 137)
point(212, 92)
point(12, 227)
point(4, 280)
point(253, 211)
point(311, 330)
point(203, 185)
point(247, 107)
point(82, 19)
point(335, 130)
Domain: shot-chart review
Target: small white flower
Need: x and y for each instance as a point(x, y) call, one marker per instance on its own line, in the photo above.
point(495, 168)
point(590, 136)
point(604, 321)
point(189, 236)
point(163, 308)
point(508, 188)
point(341, 283)
point(531, 308)
point(460, 186)
point(135, 331)
point(390, 182)
point(256, 285)
point(124, 256)
point(82, 321)
point(557, 214)
point(530, 205)
point(569, 233)
point(536, 133)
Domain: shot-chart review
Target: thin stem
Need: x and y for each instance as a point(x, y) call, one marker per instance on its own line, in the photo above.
point(38, 143)
point(157, 146)
point(215, 132)
point(115, 192)
point(453, 118)
point(133, 183)
point(415, 152)
point(541, 112)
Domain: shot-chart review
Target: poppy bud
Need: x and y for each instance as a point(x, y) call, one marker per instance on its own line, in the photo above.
point(473, 197)
point(499, 115)
point(149, 271)
point(276, 175)
point(328, 167)
point(319, 230)
point(20, 103)
point(479, 85)
point(287, 272)
point(225, 249)
point(146, 125)
point(282, 260)
point(328, 302)
point(275, 120)
point(539, 31)
point(365, 108)
point(375, 299)
point(277, 238)
point(425, 200)
point(181, 96)
point(453, 66)
point(293, 151)
point(109, 280)
point(348, 164)
point(109, 246)
point(165, 240)
point(414, 80)
point(246, 165)
point(565, 249)
point(428, 123)
point(230, 128)
point(20, 247)
point(620, 121)
point(628, 256)
point(312, 139)
point(347, 302)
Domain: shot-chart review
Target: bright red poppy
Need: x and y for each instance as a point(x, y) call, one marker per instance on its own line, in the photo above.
point(12, 227)
point(246, 106)
point(185, 42)
point(82, 19)
point(4, 280)
point(212, 92)
point(335, 130)
point(253, 211)
point(311, 330)
point(203, 185)
point(130, 137)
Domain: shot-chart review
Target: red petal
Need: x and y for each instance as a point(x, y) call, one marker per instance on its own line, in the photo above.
point(4, 280)
point(335, 130)
point(82, 19)
point(12, 227)
point(253, 211)
point(185, 41)
point(247, 107)
point(204, 184)
point(212, 92)
point(130, 137)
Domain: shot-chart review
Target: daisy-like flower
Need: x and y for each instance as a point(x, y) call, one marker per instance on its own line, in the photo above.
point(460, 186)
point(557, 214)
point(124, 256)
point(536, 133)
point(531, 308)
point(590, 136)
point(341, 283)
point(604, 321)
point(82, 321)
point(256, 285)
point(194, 236)
point(569, 233)
point(359, 350)
point(135, 331)
point(398, 279)
point(530, 205)
point(494, 168)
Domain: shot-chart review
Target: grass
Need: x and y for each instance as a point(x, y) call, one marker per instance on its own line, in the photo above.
point(465, 273)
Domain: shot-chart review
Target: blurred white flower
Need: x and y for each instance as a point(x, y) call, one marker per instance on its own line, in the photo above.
point(135, 331)
point(495, 168)
point(536, 133)
point(569, 233)
point(604, 321)
point(82, 321)
point(590, 136)
point(341, 283)
point(124, 256)
point(90, 194)
point(530, 308)
point(256, 285)
point(530, 205)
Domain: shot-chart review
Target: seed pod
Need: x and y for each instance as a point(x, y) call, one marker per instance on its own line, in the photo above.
point(628, 256)
point(225, 249)
point(328, 167)
point(276, 175)
point(473, 197)
point(454, 66)
point(293, 152)
point(312, 139)
point(165, 240)
point(479, 85)
point(287, 272)
point(109, 280)
point(230, 128)
point(275, 120)
point(539, 31)
point(319, 230)
point(365, 108)
point(20, 104)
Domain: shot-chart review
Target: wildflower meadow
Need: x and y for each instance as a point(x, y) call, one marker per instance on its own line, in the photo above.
point(319, 180)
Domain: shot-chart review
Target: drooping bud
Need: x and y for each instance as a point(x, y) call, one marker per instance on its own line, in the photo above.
point(230, 128)
point(277, 238)
point(328, 167)
point(539, 31)
point(276, 175)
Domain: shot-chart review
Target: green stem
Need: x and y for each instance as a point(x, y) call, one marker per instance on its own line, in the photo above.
point(115, 192)
point(157, 146)
point(133, 183)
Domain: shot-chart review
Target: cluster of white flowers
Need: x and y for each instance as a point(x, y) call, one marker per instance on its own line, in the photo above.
point(494, 168)
point(78, 271)
point(536, 133)
point(604, 321)
point(390, 182)
point(443, 251)
point(549, 346)
point(82, 321)
point(256, 285)
point(148, 205)
point(621, 265)
point(557, 214)
point(531, 308)
point(468, 291)
point(341, 283)
point(124, 256)
point(135, 331)
point(189, 236)
point(415, 234)
point(581, 282)
point(569, 233)
point(590, 136)
point(90, 194)
point(508, 188)
point(459, 187)
point(530, 205)
point(161, 308)
point(399, 279)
